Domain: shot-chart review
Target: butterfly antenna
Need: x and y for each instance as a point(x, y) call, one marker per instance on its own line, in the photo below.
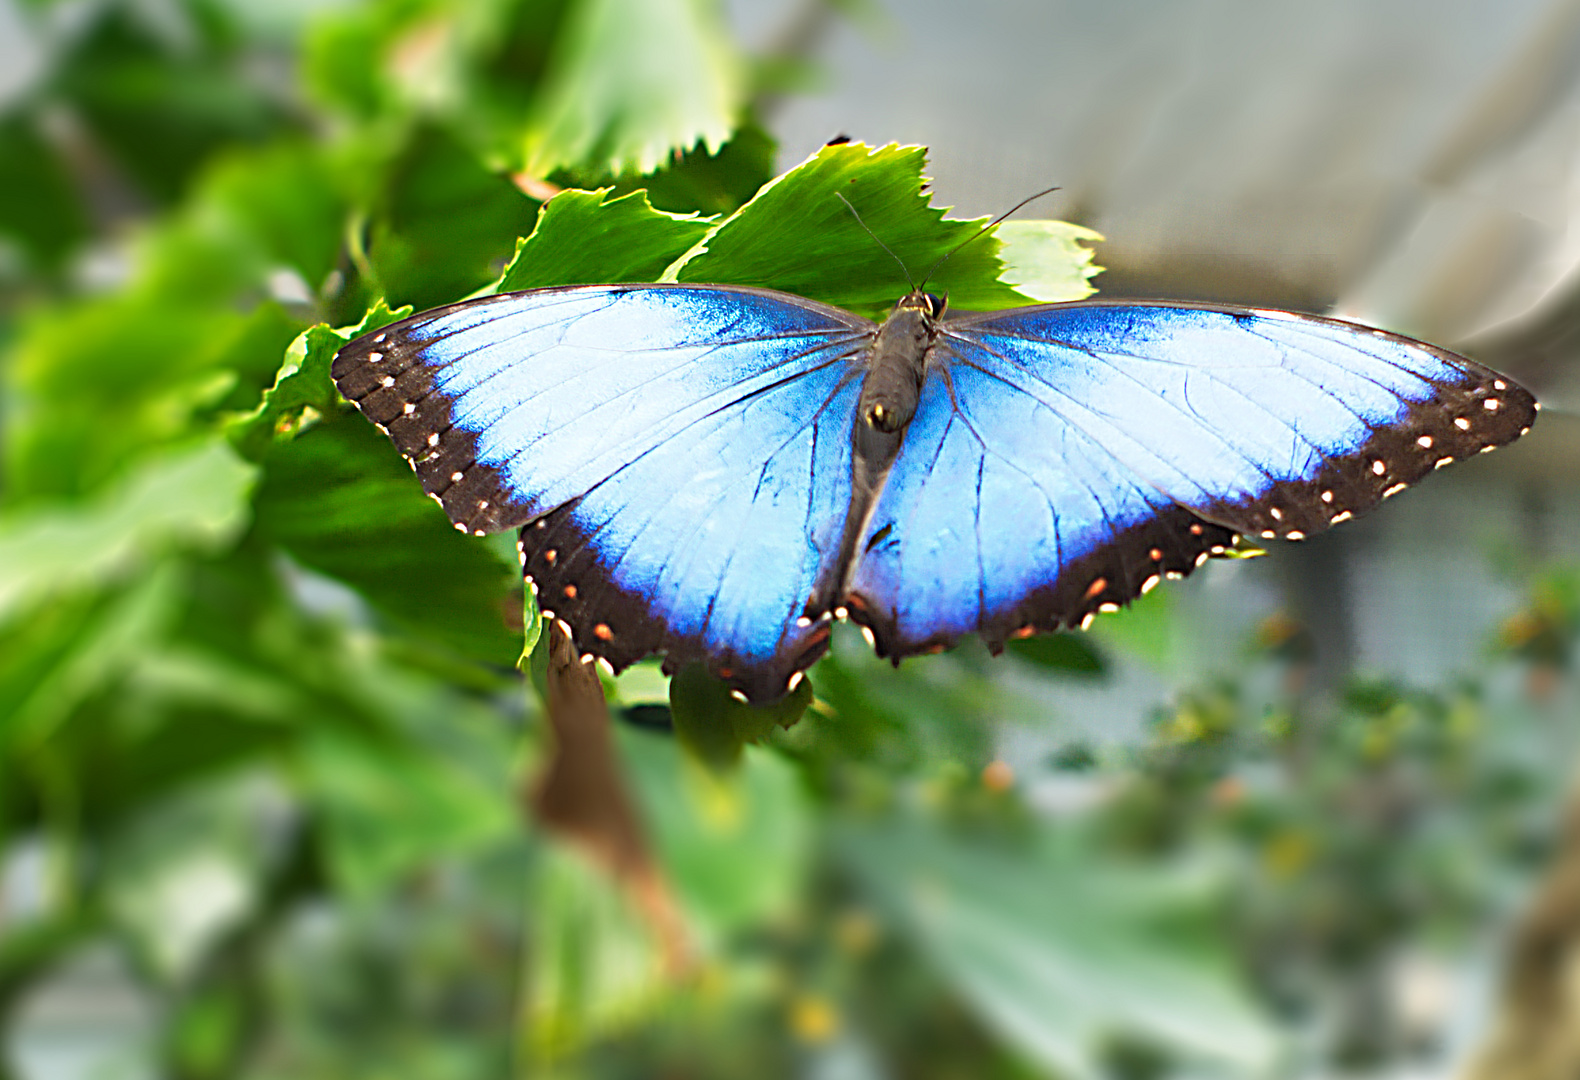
point(989, 226)
point(881, 244)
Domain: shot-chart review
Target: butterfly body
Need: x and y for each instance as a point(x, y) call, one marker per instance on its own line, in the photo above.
point(714, 473)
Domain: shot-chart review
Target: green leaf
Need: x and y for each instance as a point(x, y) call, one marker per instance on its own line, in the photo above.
point(1145, 628)
point(1056, 951)
point(302, 387)
point(714, 725)
point(711, 183)
point(195, 498)
point(633, 81)
point(1066, 652)
point(797, 235)
point(587, 237)
point(342, 502)
point(1047, 260)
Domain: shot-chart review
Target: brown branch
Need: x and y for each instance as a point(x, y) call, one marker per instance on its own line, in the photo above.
point(582, 798)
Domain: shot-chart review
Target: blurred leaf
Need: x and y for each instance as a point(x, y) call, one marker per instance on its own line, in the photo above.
point(162, 94)
point(586, 237)
point(1058, 953)
point(390, 808)
point(285, 200)
point(185, 871)
point(736, 848)
point(195, 497)
point(594, 966)
point(38, 207)
point(796, 235)
point(632, 82)
point(714, 725)
point(303, 382)
point(110, 643)
point(343, 502)
point(107, 380)
point(1145, 628)
point(1046, 260)
point(446, 224)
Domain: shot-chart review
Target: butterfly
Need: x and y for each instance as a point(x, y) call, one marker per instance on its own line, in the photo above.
point(716, 473)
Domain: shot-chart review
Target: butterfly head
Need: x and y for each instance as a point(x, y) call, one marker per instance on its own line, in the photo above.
point(929, 305)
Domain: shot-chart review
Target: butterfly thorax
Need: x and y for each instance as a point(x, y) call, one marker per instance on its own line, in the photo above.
point(896, 362)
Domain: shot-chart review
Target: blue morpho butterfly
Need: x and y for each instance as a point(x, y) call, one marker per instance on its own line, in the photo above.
point(715, 472)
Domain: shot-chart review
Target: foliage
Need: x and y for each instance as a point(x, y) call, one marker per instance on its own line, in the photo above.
point(262, 735)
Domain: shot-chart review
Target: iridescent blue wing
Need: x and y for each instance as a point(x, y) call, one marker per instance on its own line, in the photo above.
point(1064, 457)
point(678, 456)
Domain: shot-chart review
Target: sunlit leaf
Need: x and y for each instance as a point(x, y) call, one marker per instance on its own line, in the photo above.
point(1048, 260)
point(799, 235)
point(584, 237)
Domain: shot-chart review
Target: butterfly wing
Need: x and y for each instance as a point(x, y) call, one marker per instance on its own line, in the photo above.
point(678, 456)
point(1066, 456)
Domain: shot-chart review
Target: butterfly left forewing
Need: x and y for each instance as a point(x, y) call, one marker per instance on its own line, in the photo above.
point(677, 456)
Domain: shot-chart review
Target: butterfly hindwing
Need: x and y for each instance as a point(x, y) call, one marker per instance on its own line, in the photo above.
point(678, 455)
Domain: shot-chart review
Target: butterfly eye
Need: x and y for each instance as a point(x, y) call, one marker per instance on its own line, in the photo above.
point(935, 305)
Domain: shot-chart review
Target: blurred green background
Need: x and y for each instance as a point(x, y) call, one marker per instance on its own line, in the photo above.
point(276, 802)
